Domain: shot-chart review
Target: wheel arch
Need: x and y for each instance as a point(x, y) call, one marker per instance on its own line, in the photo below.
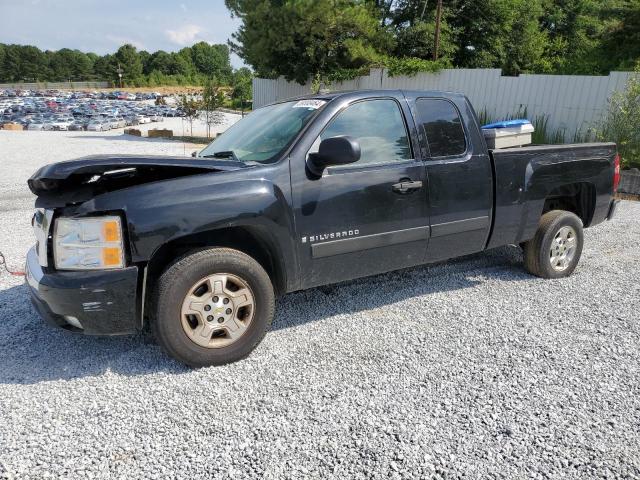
point(578, 198)
point(254, 241)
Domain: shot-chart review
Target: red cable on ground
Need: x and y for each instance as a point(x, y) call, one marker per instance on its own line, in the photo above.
point(3, 262)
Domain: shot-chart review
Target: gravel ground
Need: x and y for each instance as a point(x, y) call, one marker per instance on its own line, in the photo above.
point(468, 369)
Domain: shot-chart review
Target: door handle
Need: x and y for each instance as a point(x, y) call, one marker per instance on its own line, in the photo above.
point(406, 186)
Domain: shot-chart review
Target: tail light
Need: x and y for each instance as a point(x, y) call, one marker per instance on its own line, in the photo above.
point(616, 173)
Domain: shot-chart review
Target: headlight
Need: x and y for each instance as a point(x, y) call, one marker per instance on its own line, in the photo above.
point(88, 243)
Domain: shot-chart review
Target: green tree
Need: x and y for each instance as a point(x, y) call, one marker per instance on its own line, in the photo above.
point(503, 34)
point(620, 46)
point(418, 40)
point(335, 39)
point(622, 122)
point(189, 106)
point(162, 62)
point(482, 26)
point(382, 9)
point(105, 68)
point(28, 63)
point(66, 64)
point(130, 63)
point(242, 86)
point(93, 58)
point(145, 58)
point(2, 58)
point(212, 99)
point(303, 38)
point(33, 63)
point(574, 29)
point(24, 63)
point(525, 44)
point(212, 60)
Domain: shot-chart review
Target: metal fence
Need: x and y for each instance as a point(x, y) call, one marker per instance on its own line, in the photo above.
point(54, 85)
point(572, 103)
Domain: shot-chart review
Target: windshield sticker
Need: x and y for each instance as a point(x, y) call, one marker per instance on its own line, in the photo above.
point(311, 104)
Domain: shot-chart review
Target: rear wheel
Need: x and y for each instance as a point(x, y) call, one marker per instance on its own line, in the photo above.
point(555, 249)
point(213, 307)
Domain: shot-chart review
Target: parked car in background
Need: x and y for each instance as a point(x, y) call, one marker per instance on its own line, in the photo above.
point(35, 126)
point(131, 120)
point(40, 125)
point(61, 109)
point(116, 122)
point(98, 126)
point(61, 123)
point(78, 125)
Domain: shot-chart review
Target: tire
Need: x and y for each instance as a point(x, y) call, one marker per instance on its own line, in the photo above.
point(548, 254)
point(180, 322)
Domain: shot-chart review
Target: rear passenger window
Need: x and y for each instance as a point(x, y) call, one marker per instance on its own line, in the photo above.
point(378, 126)
point(442, 126)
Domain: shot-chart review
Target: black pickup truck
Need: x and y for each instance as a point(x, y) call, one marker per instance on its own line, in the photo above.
point(301, 193)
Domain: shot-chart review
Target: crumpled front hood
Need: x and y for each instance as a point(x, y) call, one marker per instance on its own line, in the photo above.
point(78, 180)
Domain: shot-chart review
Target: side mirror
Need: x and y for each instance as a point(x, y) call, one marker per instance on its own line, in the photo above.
point(194, 154)
point(334, 151)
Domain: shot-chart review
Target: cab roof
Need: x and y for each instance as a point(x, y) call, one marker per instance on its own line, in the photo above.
point(362, 94)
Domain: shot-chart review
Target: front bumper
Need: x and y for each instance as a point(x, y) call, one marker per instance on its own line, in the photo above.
point(104, 302)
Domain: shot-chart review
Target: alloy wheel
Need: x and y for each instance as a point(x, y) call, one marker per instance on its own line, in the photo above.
point(217, 310)
point(563, 248)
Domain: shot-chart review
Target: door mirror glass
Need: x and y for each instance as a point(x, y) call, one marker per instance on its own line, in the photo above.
point(334, 151)
point(194, 154)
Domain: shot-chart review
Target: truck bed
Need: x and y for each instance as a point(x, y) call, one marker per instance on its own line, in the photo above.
point(526, 176)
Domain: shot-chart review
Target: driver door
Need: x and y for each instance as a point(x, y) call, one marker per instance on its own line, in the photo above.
point(367, 217)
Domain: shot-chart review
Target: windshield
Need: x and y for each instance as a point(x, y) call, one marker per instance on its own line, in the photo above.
point(263, 134)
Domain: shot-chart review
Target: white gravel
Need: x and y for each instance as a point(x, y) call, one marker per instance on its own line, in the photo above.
point(467, 369)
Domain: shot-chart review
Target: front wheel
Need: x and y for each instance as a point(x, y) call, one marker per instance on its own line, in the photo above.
point(212, 307)
point(555, 249)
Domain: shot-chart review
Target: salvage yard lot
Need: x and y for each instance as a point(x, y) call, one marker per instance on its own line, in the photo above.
point(468, 368)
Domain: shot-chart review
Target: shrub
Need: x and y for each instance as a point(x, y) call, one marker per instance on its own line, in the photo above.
point(622, 122)
point(411, 66)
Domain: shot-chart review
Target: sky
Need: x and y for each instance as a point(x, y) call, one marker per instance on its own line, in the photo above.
point(102, 26)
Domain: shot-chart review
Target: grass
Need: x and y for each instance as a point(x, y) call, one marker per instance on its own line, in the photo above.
point(543, 135)
point(192, 139)
point(627, 196)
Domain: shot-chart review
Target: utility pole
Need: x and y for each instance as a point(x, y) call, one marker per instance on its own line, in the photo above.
point(437, 35)
point(120, 71)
